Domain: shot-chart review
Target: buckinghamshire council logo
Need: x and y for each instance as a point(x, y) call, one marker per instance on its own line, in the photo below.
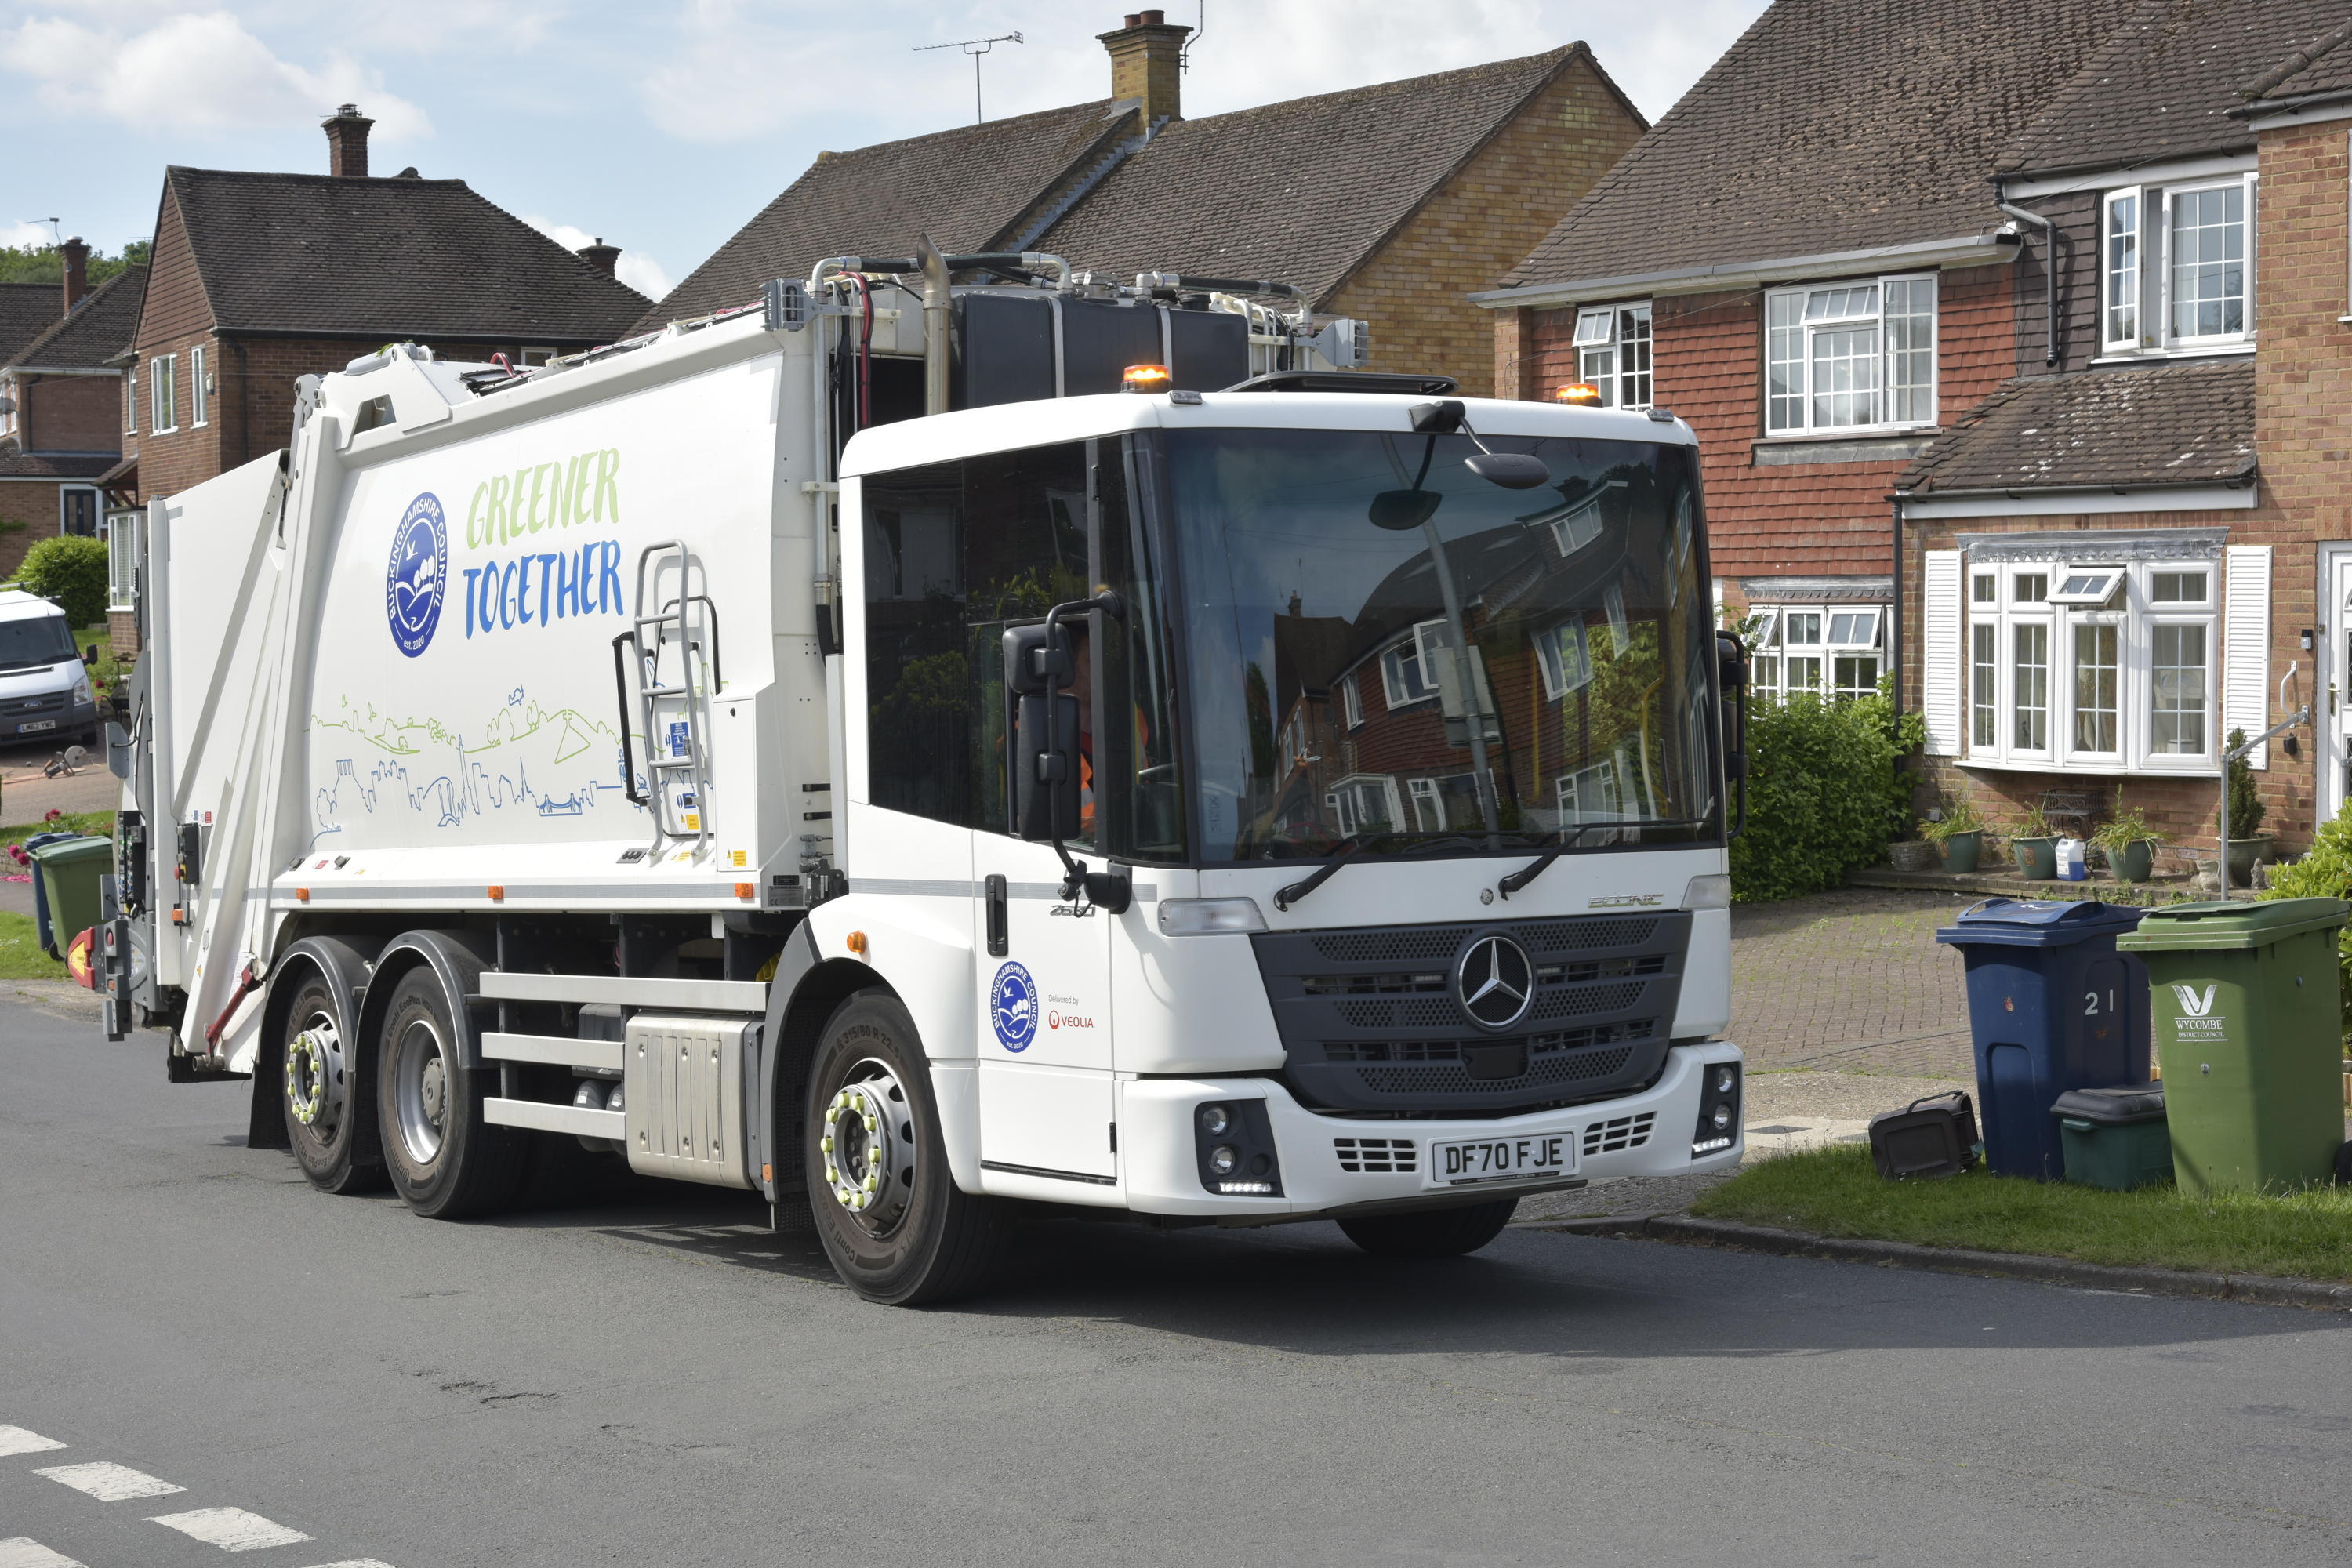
point(1013, 1007)
point(418, 572)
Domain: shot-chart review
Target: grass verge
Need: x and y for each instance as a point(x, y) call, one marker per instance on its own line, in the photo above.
point(1835, 1192)
point(97, 824)
point(21, 957)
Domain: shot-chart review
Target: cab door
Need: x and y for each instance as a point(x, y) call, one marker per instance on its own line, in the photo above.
point(1046, 1098)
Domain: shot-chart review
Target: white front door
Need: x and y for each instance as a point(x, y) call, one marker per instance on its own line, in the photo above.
point(2332, 695)
point(1046, 1098)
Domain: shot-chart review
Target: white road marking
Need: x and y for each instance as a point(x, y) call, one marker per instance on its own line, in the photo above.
point(230, 1528)
point(108, 1482)
point(23, 1552)
point(16, 1440)
point(353, 1563)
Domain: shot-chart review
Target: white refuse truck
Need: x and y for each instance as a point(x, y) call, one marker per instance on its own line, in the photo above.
point(947, 737)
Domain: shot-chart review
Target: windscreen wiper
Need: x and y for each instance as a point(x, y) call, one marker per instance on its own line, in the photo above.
point(1415, 845)
point(1564, 839)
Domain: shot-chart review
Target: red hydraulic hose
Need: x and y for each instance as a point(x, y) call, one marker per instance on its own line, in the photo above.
point(247, 982)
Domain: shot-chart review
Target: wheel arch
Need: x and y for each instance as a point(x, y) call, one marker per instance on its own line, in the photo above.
point(346, 964)
point(807, 991)
point(457, 957)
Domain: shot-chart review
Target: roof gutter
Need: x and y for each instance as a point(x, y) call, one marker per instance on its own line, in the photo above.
point(2049, 261)
point(2263, 107)
point(1970, 251)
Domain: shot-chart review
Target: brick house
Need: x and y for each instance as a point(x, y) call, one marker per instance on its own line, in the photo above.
point(1387, 204)
point(61, 400)
point(257, 278)
point(2072, 530)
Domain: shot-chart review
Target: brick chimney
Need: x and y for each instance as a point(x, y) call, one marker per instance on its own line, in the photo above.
point(1144, 55)
point(603, 257)
point(76, 257)
point(347, 130)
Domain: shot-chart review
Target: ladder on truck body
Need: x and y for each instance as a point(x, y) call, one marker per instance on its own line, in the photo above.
point(673, 717)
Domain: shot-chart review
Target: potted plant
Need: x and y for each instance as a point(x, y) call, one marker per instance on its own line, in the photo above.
point(1959, 835)
point(2129, 844)
point(2035, 847)
point(2248, 846)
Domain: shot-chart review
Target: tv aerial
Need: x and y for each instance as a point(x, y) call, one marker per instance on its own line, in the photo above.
point(975, 48)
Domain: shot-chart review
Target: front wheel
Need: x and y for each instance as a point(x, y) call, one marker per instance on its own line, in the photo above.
point(896, 1225)
point(446, 1161)
point(1431, 1233)
point(329, 1118)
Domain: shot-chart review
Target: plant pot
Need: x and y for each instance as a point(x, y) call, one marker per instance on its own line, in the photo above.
point(1914, 855)
point(1961, 849)
point(2245, 854)
point(2037, 858)
point(2133, 862)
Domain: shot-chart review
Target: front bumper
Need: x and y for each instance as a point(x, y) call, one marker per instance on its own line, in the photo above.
point(1611, 1137)
point(70, 720)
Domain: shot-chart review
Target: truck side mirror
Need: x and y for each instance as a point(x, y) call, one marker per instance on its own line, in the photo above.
point(1731, 687)
point(90, 654)
point(1045, 739)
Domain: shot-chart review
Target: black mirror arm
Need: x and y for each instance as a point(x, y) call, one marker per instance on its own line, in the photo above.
point(1731, 658)
point(1075, 878)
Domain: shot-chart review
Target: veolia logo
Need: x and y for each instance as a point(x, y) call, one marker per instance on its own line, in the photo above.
point(418, 572)
point(2193, 1004)
point(1013, 1007)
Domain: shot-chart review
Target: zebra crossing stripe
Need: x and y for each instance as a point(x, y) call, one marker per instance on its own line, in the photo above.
point(230, 1528)
point(23, 1552)
point(108, 1482)
point(16, 1440)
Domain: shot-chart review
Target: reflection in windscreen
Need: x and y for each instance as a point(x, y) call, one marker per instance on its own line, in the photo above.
point(1384, 644)
point(41, 639)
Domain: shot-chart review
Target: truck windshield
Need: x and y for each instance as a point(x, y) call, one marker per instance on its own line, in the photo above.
point(36, 640)
point(1381, 644)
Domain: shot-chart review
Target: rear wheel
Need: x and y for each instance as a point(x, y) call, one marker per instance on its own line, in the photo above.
point(329, 1118)
point(896, 1225)
point(446, 1161)
point(1431, 1233)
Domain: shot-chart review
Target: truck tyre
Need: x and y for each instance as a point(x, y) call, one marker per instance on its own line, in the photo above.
point(897, 1228)
point(445, 1162)
point(330, 1111)
point(1431, 1233)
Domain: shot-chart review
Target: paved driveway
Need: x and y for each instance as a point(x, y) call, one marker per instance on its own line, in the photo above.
point(1851, 982)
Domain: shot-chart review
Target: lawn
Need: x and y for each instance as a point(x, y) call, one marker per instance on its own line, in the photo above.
point(1835, 1191)
point(21, 957)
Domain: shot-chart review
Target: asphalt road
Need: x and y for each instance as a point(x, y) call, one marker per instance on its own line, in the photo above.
point(652, 1378)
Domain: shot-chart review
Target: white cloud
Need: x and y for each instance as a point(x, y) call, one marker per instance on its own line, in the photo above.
point(25, 235)
point(635, 269)
point(193, 71)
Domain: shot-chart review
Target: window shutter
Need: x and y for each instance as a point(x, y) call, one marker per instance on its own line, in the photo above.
point(2246, 645)
point(1942, 655)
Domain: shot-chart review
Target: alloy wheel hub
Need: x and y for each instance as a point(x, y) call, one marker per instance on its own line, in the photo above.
point(866, 1138)
point(314, 1075)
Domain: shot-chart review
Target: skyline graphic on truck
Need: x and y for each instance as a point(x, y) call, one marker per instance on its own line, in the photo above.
point(546, 763)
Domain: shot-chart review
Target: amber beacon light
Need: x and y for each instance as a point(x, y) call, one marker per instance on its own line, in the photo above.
point(1145, 378)
point(1581, 394)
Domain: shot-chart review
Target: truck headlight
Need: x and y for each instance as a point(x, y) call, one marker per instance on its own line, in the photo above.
point(1206, 917)
point(1234, 1142)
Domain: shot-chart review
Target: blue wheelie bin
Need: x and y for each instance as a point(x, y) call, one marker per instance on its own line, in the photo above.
point(2053, 1007)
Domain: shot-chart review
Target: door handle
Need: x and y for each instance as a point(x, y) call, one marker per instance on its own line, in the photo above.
point(1000, 941)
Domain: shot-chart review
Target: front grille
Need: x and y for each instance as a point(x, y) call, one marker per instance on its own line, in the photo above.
point(1377, 1156)
point(1371, 1022)
point(20, 705)
point(1619, 1133)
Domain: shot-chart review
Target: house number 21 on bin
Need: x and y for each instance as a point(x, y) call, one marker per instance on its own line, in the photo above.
point(2091, 1004)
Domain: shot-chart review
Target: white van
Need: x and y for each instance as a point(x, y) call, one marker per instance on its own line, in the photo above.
point(44, 690)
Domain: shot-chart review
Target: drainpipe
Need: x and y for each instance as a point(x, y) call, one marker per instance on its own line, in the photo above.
point(2049, 264)
point(1895, 610)
point(935, 328)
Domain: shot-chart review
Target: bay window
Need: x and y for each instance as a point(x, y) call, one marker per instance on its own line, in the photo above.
point(1612, 354)
point(2177, 268)
point(1848, 356)
point(2107, 667)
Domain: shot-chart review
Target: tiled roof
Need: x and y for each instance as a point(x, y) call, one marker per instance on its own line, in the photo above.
point(2190, 423)
point(2163, 84)
point(1831, 126)
point(317, 255)
point(2320, 63)
point(1301, 192)
point(101, 329)
point(44, 466)
point(27, 311)
point(969, 188)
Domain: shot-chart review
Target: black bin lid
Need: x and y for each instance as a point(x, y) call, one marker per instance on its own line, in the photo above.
point(2119, 1107)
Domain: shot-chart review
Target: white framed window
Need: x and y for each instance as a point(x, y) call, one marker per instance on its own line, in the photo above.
point(1594, 794)
point(1365, 803)
point(2177, 266)
point(1565, 658)
point(1831, 650)
point(162, 384)
point(199, 394)
point(2104, 667)
point(1407, 673)
point(131, 403)
point(537, 356)
point(1428, 806)
point(1351, 701)
point(122, 558)
point(8, 407)
point(1851, 356)
point(1612, 354)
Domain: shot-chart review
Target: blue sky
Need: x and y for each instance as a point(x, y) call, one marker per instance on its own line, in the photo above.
point(663, 127)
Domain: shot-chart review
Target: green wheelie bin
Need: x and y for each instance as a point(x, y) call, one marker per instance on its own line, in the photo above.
point(2243, 998)
point(71, 872)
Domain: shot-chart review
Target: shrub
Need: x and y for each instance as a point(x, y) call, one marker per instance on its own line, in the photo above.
point(2325, 873)
point(1825, 792)
point(2246, 807)
point(72, 571)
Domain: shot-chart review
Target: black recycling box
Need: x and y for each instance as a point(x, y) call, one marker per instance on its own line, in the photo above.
point(1932, 1137)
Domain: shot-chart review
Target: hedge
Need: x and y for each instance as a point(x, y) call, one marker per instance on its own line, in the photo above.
point(1826, 793)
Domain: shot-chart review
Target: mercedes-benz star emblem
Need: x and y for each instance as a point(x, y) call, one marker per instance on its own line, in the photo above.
point(1495, 981)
